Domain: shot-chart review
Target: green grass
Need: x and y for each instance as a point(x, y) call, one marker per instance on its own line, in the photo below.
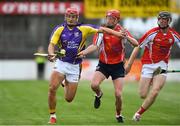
point(25, 103)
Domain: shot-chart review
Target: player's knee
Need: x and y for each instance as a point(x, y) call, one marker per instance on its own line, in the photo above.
point(94, 85)
point(118, 94)
point(52, 89)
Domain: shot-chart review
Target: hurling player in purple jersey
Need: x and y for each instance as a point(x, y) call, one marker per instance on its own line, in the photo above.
point(71, 37)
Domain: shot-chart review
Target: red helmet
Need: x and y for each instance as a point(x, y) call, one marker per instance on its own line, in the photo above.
point(113, 13)
point(72, 10)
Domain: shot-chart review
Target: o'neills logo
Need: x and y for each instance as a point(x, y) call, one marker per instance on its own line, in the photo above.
point(18, 8)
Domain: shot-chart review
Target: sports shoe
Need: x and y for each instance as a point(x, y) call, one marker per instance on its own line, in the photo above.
point(52, 120)
point(136, 117)
point(97, 101)
point(120, 118)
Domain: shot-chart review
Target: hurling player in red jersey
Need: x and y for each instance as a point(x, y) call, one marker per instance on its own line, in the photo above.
point(157, 44)
point(111, 59)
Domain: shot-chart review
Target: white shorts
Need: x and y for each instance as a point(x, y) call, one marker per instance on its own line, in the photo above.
point(148, 69)
point(71, 71)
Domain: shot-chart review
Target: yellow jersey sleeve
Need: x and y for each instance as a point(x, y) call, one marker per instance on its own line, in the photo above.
point(56, 35)
point(87, 30)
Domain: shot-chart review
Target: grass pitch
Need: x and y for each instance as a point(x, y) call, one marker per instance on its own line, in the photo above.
point(25, 103)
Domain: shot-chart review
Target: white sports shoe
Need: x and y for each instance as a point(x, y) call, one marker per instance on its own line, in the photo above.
point(52, 119)
point(136, 117)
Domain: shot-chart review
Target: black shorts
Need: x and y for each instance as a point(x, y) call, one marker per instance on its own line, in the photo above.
point(113, 70)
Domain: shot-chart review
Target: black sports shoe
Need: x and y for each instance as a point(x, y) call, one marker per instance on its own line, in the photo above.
point(120, 119)
point(97, 101)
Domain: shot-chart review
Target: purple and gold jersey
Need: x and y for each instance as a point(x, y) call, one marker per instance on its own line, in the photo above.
point(72, 40)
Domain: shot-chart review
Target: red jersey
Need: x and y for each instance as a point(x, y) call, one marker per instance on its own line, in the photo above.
point(111, 48)
point(158, 45)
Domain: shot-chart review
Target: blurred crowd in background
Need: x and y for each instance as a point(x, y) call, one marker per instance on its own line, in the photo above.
point(23, 30)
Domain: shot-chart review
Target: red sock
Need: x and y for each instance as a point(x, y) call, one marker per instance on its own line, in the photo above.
point(141, 110)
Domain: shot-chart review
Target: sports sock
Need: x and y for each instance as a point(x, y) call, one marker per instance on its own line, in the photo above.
point(100, 94)
point(52, 111)
point(117, 115)
point(141, 110)
point(53, 115)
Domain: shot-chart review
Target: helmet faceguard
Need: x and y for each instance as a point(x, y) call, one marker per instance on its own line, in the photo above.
point(164, 15)
point(112, 15)
point(71, 16)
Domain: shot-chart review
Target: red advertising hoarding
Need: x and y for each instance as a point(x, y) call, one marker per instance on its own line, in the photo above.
point(37, 8)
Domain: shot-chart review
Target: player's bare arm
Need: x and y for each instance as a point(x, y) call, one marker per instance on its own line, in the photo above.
point(132, 41)
point(124, 34)
point(121, 33)
point(88, 50)
point(131, 59)
point(51, 55)
point(110, 31)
